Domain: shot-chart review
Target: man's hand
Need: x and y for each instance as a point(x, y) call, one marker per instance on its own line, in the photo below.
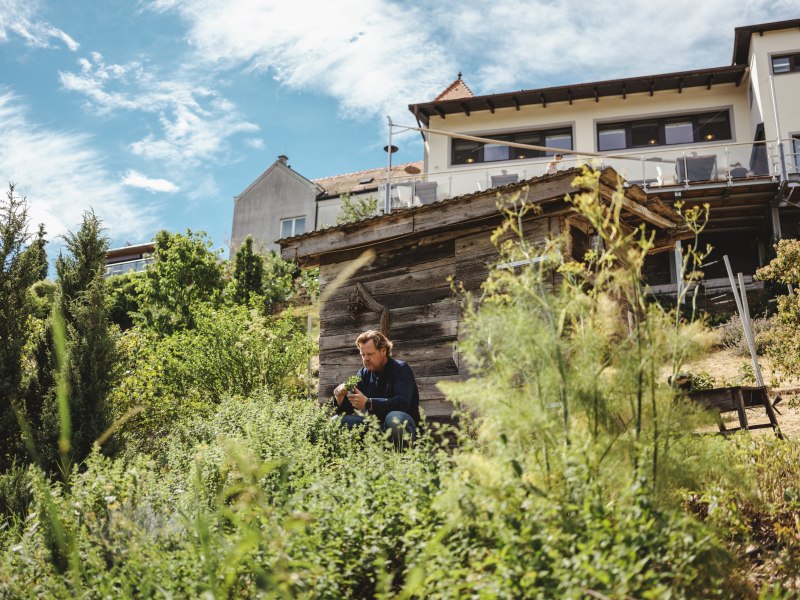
point(357, 399)
point(339, 393)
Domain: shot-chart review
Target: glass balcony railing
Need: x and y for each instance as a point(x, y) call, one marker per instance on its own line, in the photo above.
point(714, 164)
point(140, 264)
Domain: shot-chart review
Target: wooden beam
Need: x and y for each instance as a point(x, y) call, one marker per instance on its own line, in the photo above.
point(490, 104)
point(596, 94)
point(464, 107)
point(544, 102)
point(652, 86)
point(569, 95)
point(644, 213)
point(515, 100)
point(710, 81)
point(680, 85)
point(439, 110)
point(624, 92)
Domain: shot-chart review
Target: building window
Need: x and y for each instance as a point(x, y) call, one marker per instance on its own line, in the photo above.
point(293, 226)
point(786, 63)
point(664, 131)
point(467, 152)
point(796, 150)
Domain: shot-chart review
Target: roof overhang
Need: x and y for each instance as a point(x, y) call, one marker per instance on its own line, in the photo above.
point(479, 210)
point(742, 36)
point(569, 93)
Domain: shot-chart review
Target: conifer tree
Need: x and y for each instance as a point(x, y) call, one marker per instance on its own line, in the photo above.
point(81, 296)
point(248, 272)
point(18, 271)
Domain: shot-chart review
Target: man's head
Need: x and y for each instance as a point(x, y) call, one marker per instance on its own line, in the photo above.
point(558, 157)
point(375, 349)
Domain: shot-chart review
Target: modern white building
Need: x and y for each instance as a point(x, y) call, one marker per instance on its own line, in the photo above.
point(728, 136)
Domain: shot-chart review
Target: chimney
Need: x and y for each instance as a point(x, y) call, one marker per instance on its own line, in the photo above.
point(283, 158)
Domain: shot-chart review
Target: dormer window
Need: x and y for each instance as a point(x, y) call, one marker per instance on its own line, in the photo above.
point(466, 152)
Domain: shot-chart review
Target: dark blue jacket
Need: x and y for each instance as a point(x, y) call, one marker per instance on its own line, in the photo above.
point(394, 388)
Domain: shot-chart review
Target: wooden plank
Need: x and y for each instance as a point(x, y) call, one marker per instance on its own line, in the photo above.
point(399, 260)
point(426, 276)
point(639, 210)
point(426, 219)
point(401, 335)
point(328, 240)
point(339, 321)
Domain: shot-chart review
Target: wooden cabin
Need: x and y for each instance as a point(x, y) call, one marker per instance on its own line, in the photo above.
point(405, 285)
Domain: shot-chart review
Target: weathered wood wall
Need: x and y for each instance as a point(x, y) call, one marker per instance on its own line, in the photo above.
point(411, 279)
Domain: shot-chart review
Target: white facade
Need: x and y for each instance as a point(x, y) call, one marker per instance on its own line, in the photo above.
point(747, 99)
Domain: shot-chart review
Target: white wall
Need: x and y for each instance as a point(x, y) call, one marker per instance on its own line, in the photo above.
point(583, 116)
point(787, 85)
point(279, 194)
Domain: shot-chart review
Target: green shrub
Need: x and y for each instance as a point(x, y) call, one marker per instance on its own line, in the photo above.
point(232, 351)
point(15, 495)
point(731, 335)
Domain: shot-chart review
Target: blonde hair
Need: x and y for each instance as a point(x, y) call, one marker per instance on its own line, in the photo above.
point(377, 338)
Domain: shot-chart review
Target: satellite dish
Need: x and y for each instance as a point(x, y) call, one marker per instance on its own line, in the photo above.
point(412, 170)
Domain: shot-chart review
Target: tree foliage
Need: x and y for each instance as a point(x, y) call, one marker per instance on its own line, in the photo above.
point(784, 337)
point(248, 273)
point(186, 273)
point(90, 347)
point(357, 209)
point(20, 267)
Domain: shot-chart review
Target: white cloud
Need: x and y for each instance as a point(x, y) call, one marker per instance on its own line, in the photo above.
point(255, 143)
point(372, 56)
point(195, 122)
point(62, 176)
point(138, 180)
point(378, 56)
point(18, 17)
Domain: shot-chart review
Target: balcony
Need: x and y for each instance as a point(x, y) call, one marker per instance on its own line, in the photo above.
point(120, 268)
point(660, 170)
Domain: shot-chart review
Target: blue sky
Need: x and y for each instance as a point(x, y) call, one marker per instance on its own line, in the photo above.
point(156, 113)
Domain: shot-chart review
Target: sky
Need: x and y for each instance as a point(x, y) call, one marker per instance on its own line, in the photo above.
point(155, 114)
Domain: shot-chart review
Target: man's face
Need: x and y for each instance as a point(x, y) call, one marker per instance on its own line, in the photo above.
point(373, 359)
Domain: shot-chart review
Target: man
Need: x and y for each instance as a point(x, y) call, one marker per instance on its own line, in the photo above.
point(553, 165)
point(387, 389)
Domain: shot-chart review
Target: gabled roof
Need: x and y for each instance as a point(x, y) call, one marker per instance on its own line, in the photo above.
point(364, 181)
point(457, 89)
point(567, 93)
point(742, 36)
point(276, 165)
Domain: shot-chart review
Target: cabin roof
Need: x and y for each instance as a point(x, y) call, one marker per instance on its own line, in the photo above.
point(546, 191)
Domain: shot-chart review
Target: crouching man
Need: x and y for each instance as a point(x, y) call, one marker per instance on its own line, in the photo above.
point(387, 389)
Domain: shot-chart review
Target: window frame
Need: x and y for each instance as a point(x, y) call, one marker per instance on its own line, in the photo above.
point(293, 221)
point(698, 120)
point(794, 62)
point(513, 154)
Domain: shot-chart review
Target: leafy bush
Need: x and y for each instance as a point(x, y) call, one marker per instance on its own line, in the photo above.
point(264, 498)
point(358, 209)
point(731, 335)
point(231, 351)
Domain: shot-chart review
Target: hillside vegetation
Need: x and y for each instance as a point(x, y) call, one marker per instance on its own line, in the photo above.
point(161, 438)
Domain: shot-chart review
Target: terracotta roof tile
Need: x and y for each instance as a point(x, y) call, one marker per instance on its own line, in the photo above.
point(457, 89)
point(363, 181)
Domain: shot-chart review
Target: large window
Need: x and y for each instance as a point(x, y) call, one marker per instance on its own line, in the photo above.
point(664, 131)
point(786, 63)
point(294, 226)
point(467, 152)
